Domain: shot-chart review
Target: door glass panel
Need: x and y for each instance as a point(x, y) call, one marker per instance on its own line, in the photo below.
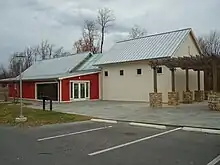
point(82, 90)
point(87, 89)
point(76, 91)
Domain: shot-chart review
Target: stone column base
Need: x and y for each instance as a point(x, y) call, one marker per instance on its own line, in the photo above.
point(155, 100)
point(173, 98)
point(214, 102)
point(187, 97)
point(199, 96)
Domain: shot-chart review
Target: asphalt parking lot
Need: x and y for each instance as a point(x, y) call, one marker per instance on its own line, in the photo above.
point(91, 143)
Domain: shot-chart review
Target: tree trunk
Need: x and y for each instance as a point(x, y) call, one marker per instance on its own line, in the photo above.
point(102, 40)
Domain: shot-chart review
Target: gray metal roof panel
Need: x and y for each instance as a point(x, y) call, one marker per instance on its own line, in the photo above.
point(51, 76)
point(89, 64)
point(143, 48)
point(54, 66)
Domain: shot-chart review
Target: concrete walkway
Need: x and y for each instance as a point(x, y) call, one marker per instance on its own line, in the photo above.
point(194, 115)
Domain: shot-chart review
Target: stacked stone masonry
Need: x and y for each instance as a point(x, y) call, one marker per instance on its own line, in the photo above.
point(187, 97)
point(155, 100)
point(199, 96)
point(214, 102)
point(173, 98)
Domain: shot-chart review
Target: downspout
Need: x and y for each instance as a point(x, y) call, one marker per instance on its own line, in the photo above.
point(60, 97)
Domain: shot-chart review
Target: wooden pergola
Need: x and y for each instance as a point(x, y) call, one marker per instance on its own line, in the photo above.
point(206, 63)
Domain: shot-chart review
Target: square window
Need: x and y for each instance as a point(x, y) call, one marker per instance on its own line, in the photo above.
point(159, 70)
point(106, 73)
point(138, 71)
point(121, 72)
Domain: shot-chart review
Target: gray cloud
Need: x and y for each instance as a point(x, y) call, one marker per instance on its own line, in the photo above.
point(27, 22)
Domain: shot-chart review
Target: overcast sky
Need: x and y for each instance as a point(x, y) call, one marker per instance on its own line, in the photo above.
point(27, 22)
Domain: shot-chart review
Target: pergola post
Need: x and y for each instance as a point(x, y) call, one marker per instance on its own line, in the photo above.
point(155, 79)
point(214, 76)
point(173, 96)
point(199, 95)
point(155, 97)
point(187, 95)
point(173, 79)
point(198, 79)
point(187, 79)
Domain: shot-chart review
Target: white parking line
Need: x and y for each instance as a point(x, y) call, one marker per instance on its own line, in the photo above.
point(214, 161)
point(73, 133)
point(133, 142)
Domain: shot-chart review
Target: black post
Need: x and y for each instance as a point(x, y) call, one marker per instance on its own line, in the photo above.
point(50, 104)
point(43, 103)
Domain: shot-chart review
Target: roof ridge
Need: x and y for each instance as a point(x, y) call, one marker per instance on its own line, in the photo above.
point(71, 54)
point(162, 33)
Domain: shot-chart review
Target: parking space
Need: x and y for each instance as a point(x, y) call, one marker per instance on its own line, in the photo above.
point(91, 143)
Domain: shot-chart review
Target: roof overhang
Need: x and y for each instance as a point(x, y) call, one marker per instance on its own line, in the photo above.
point(76, 75)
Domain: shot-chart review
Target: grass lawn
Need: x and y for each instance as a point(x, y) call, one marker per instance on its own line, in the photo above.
point(8, 113)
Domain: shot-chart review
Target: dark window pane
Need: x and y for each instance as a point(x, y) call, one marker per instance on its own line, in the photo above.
point(138, 71)
point(82, 90)
point(76, 91)
point(159, 70)
point(87, 89)
point(71, 90)
point(106, 73)
point(121, 72)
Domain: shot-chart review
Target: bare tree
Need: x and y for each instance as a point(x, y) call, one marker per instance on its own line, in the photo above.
point(29, 57)
point(90, 32)
point(210, 44)
point(89, 38)
point(44, 50)
point(105, 19)
point(137, 32)
point(15, 63)
point(3, 72)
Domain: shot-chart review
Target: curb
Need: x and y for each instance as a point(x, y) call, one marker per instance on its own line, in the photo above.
point(148, 125)
point(204, 130)
point(162, 126)
point(105, 121)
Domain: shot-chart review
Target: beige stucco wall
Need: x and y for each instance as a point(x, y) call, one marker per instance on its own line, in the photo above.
point(130, 86)
point(186, 47)
point(133, 87)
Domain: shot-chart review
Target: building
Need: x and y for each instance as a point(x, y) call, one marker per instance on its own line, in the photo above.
point(127, 74)
point(123, 73)
point(63, 79)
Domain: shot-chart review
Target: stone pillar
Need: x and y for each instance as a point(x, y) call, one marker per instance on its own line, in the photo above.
point(173, 98)
point(187, 97)
point(199, 95)
point(155, 100)
point(214, 102)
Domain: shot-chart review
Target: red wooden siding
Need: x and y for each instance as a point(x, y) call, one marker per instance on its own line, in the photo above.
point(94, 86)
point(28, 90)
